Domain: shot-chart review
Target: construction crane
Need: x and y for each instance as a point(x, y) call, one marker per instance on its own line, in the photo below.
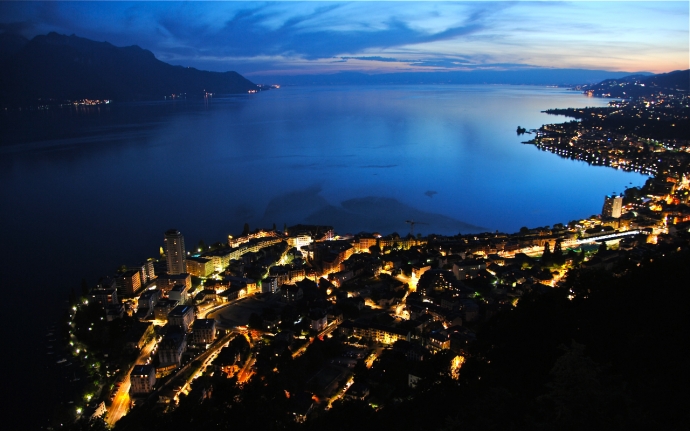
point(412, 223)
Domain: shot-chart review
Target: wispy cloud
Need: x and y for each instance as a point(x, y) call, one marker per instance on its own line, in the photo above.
point(257, 37)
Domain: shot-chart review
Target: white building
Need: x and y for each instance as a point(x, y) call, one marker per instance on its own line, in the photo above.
point(143, 379)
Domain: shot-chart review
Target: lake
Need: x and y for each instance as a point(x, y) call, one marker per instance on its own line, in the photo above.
point(87, 190)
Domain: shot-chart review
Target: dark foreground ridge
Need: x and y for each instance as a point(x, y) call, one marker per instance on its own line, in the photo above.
point(56, 69)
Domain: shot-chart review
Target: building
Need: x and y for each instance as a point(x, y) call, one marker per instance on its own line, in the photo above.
point(318, 319)
point(435, 280)
point(204, 331)
point(220, 258)
point(182, 316)
point(612, 206)
point(149, 299)
point(291, 293)
point(146, 271)
point(114, 311)
point(171, 349)
point(167, 281)
point(269, 285)
point(376, 332)
point(105, 297)
point(249, 284)
point(128, 283)
point(438, 341)
point(232, 293)
point(200, 266)
point(419, 270)
point(143, 379)
point(174, 252)
point(363, 244)
point(163, 307)
point(206, 295)
point(358, 391)
point(179, 293)
point(468, 268)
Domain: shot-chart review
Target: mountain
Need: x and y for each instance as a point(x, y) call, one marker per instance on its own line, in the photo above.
point(357, 214)
point(11, 44)
point(678, 80)
point(527, 76)
point(642, 85)
point(58, 67)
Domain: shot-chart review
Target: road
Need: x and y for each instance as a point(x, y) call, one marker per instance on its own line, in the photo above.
point(246, 372)
point(121, 403)
point(202, 357)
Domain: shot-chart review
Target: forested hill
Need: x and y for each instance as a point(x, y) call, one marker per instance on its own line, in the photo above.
point(642, 85)
point(62, 68)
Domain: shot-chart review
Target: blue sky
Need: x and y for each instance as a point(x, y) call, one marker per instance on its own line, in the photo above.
point(278, 38)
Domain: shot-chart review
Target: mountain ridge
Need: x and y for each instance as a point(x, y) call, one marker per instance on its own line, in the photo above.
point(55, 68)
point(526, 76)
point(637, 85)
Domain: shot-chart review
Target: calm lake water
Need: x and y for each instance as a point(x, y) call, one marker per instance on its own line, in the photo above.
point(85, 191)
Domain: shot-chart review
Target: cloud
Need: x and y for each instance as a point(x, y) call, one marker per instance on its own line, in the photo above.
point(254, 37)
point(443, 63)
point(310, 32)
point(375, 58)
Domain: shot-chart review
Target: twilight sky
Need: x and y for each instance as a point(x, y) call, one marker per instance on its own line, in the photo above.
point(280, 38)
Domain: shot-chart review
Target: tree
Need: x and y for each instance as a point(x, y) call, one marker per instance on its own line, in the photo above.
point(558, 253)
point(255, 322)
point(602, 247)
point(84, 288)
point(245, 230)
point(524, 230)
point(546, 255)
point(72, 297)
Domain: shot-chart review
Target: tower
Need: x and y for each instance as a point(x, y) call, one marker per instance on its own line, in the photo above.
point(612, 206)
point(175, 253)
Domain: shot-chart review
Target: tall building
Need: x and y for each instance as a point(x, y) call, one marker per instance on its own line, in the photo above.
point(612, 206)
point(174, 252)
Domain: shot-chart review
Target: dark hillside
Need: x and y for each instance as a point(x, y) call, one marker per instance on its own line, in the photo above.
point(57, 68)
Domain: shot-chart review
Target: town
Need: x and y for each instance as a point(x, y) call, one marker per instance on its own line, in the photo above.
point(327, 319)
point(265, 296)
point(646, 135)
